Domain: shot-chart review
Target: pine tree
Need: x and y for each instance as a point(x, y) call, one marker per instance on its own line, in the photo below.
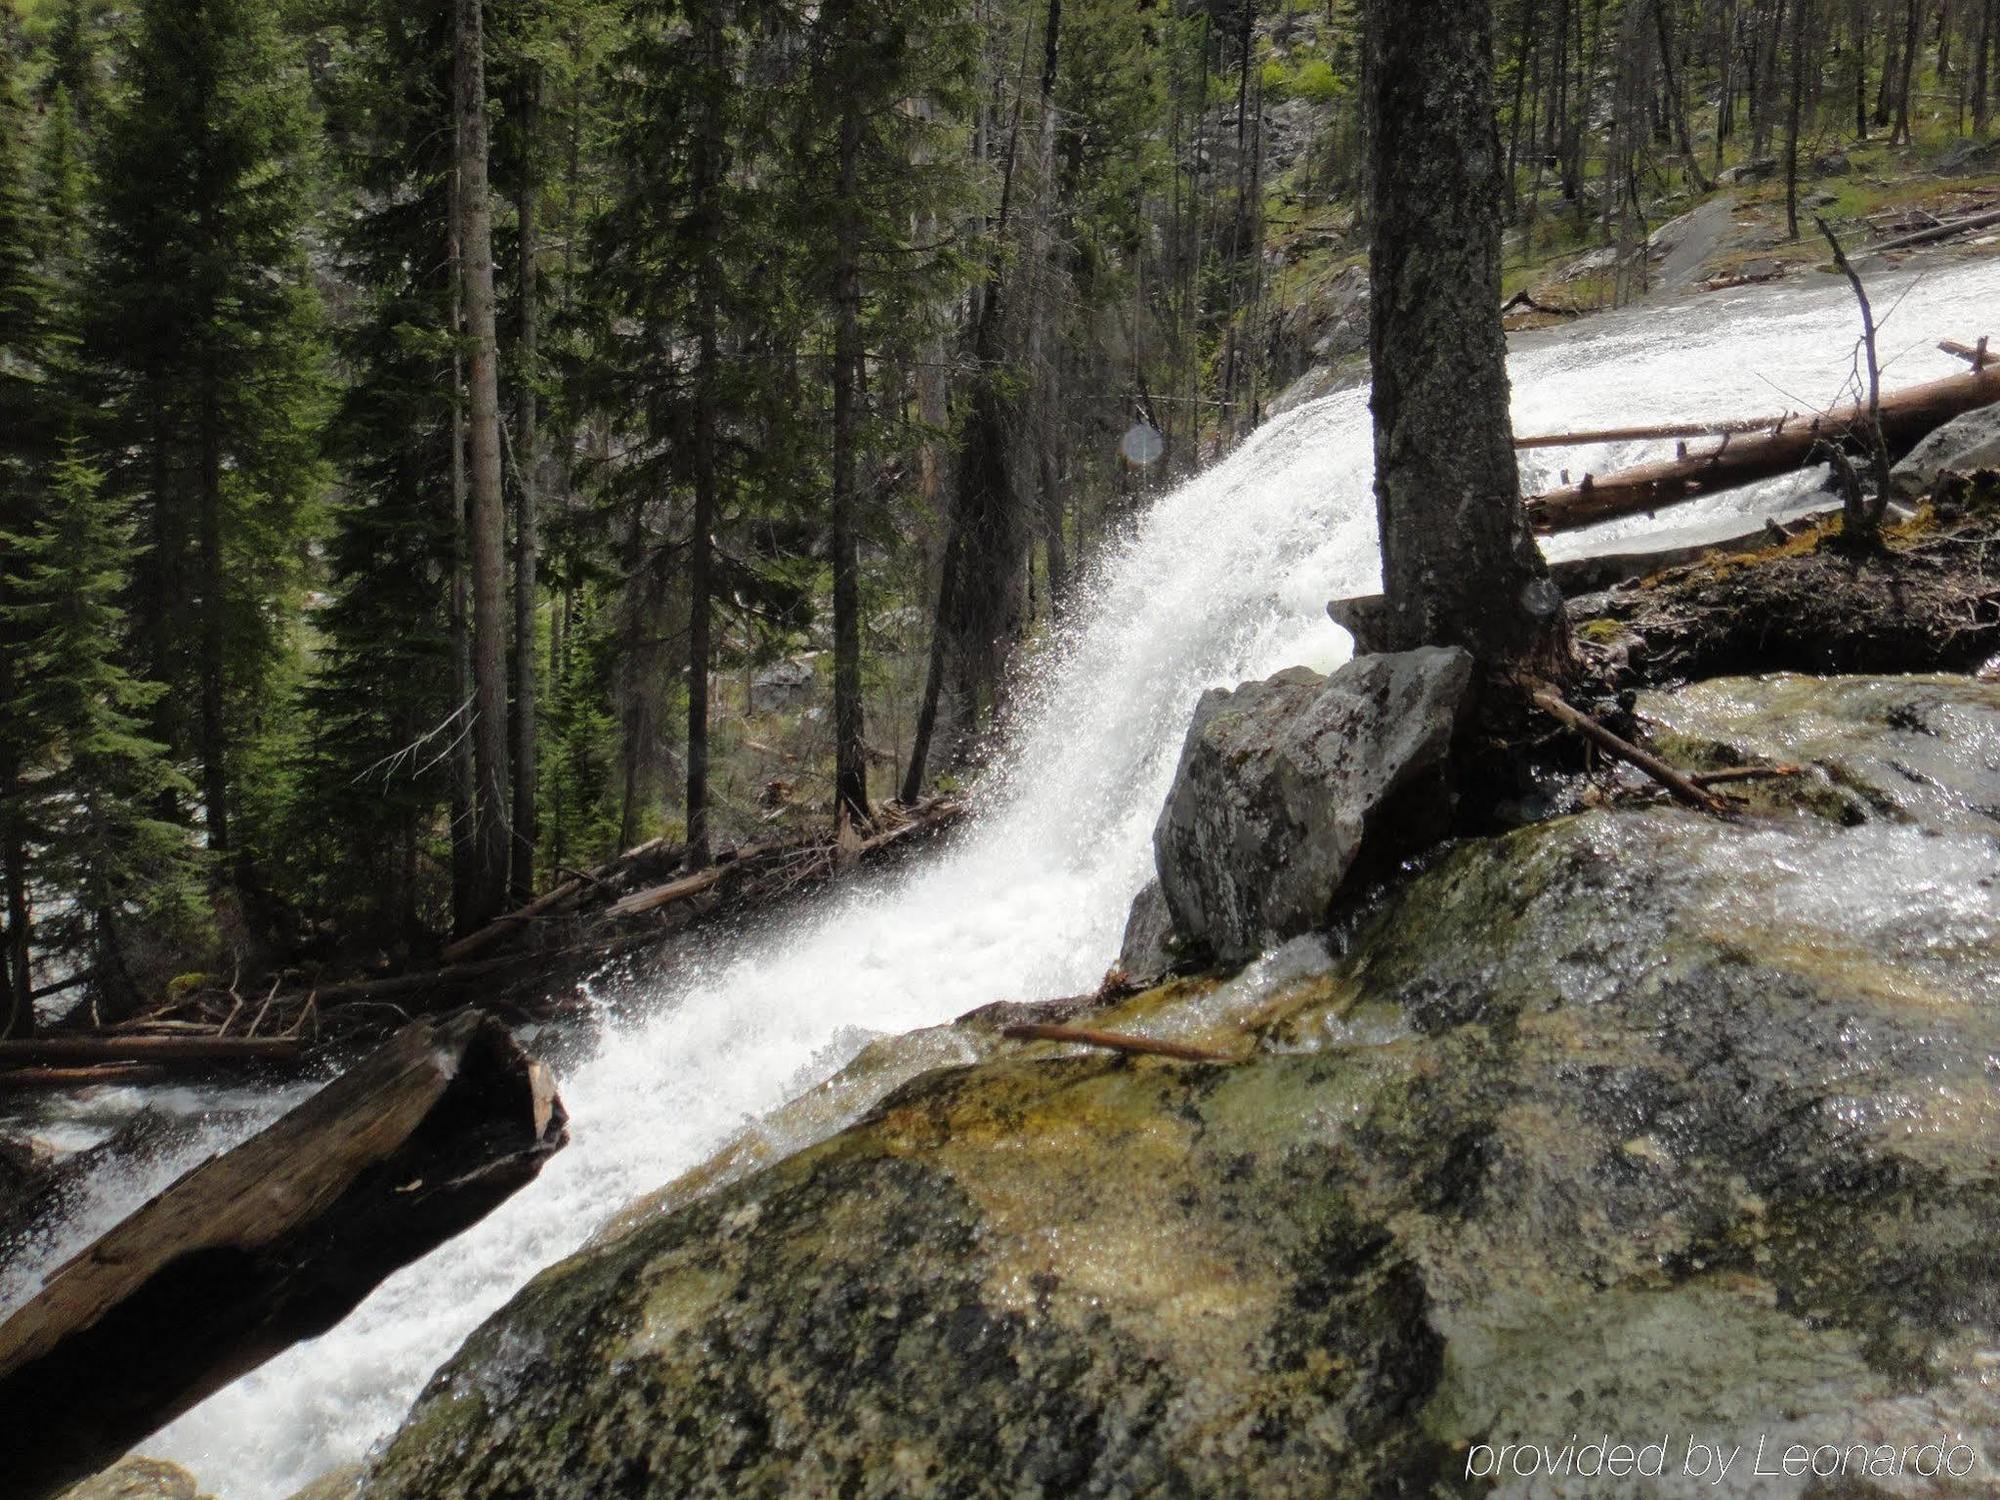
point(374, 773)
point(204, 322)
point(877, 102)
point(693, 273)
point(27, 335)
point(89, 776)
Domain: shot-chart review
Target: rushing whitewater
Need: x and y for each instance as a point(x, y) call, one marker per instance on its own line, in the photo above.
point(1225, 578)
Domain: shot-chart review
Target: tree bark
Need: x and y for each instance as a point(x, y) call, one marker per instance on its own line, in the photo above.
point(527, 517)
point(1911, 37)
point(272, 1242)
point(707, 182)
point(1792, 119)
point(464, 850)
point(1459, 564)
point(20, 1019)
point(214, 731)
point(487, 515)
point(850, 777)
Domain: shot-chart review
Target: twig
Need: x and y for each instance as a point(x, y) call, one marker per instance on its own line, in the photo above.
point(1681, 788)
point(1114, 1041)
point(258, 1020)
point(1743, 773)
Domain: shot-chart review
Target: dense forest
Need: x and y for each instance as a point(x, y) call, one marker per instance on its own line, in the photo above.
point(444, 444)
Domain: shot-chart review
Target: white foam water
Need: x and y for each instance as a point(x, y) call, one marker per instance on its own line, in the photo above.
point(1223, 579)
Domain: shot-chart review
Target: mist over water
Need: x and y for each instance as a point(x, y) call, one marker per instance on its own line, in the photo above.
point(1224, 579)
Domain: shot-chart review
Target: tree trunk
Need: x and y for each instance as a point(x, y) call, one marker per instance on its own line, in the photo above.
point(1911, 37)
point(850, 777)
point(269, 1243)
point(1981, 68)
point(464, 849)
point(1858, 27)
point(1792, 119)
point(19, 1020)
point(701, 541)
point(1459, 564)
point(214, 749)
point(1676, 103)
point(487, 517)
point(527, 518)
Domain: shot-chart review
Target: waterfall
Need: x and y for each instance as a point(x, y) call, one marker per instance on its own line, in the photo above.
point(1223, 579)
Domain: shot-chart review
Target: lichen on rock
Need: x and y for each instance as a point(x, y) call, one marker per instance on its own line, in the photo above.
point(1633, 1123)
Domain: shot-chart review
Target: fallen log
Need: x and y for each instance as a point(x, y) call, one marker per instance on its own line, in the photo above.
point(272, 1242)
point(148, 1049)
point(1785, 444)
point(847, 850)
point(1115, 1041)
point(688, 885)
point(96, 1075)
point(1936, 232)
point(508, 923)
point(1973, 354)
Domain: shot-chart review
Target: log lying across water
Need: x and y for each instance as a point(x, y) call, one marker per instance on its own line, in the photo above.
point(164, 1050)
point(1753, 451)
point(272, 1242)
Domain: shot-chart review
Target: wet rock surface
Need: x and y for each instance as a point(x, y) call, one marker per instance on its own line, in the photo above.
point(138, 1479)
point(1147, 952)
point(1635, 1124)
point(1284, 784)
point(1963, 445)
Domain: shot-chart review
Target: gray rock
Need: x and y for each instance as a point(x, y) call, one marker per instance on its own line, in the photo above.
point(1960, 446)
point(1635, 1123)
point(1147, 952)
point(1750, 171)
point(1281, 782)
point(784, 684)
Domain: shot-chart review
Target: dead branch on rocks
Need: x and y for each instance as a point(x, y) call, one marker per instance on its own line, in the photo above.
point(1115, 1041)
point(1682, 789)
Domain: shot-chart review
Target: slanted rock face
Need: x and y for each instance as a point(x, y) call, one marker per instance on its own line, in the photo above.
point(1282, 781)
point(138, 1479)
point(1147, 952)
point(1636, 1125)
point(1961, 446)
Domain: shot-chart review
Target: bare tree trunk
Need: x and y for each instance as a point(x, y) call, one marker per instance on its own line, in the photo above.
point(1981, 69)
point(1911, 37)
point(487, 517)
point(1039, 372)
point(527, 519)
point(464, 850)
point(1792, 119)
point(214, 735)
point(1459, 565)
point(1677, 104)
point(1858, 27)
point(850, 777)
point(19, 1018)
point(701, 540)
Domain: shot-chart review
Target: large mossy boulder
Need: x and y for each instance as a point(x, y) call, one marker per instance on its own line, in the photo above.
point(1285, 784)
point(1636, 1127)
